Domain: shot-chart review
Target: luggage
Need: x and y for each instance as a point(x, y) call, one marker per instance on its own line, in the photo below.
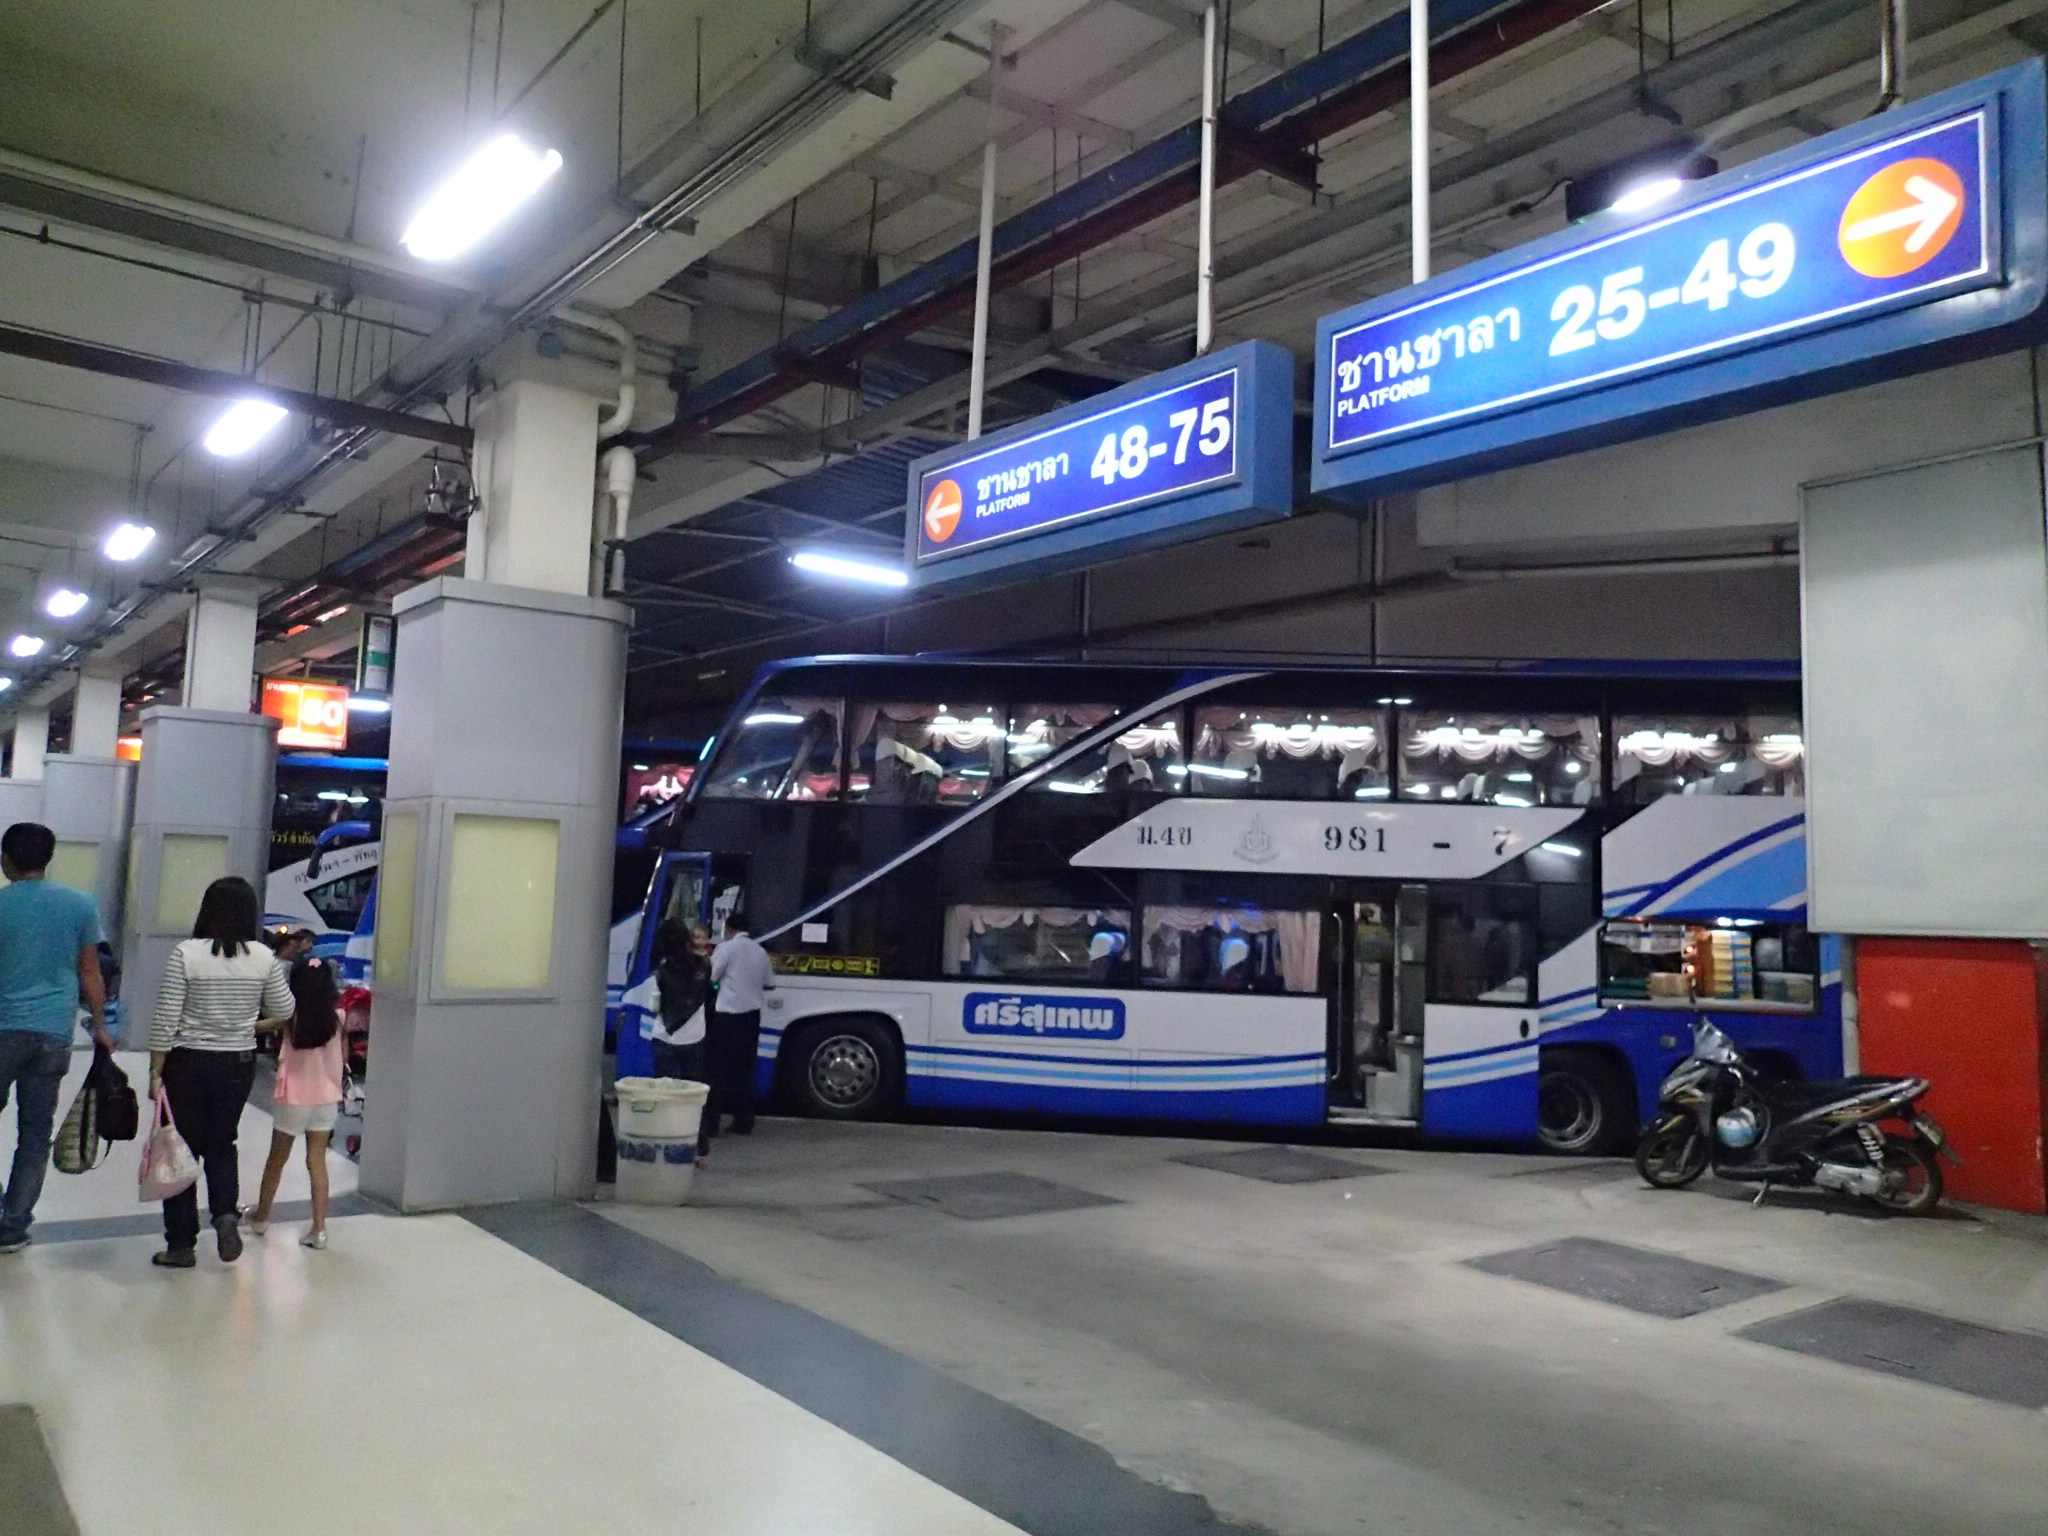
point(104, 1111)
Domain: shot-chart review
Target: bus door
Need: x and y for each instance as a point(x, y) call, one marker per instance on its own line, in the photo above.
point(1377, 1004)
point(1480, 1024)
point(681, 891)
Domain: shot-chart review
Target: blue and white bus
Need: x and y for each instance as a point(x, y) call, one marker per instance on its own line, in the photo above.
point(1478, 904)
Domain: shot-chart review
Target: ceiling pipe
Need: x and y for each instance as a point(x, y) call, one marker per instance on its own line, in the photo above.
point(620, 471)
point(1891, 55)
point(620, 417)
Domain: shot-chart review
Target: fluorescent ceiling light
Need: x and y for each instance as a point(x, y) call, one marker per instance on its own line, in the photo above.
point(481, 194)
point(369, 706)
point(1647, 193)
point(64, 602)
point(845, 568)
point(1067, 788)
point(127, 541)
point(241, 427)
point(1564, 848)
point(25, 645)
point(773, 719)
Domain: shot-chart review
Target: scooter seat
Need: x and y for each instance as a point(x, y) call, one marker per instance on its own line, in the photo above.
point(1797, 1098)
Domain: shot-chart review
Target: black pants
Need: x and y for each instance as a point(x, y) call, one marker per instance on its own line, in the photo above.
point(732, 1043)
point(207, 1090)
point(683, 1061)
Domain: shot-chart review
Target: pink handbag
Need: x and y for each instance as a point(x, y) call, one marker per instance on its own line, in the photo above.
point(168, 1166)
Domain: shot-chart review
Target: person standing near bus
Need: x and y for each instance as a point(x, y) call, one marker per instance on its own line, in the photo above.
point(743, 974)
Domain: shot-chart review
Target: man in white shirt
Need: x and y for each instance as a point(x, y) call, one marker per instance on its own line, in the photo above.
point(742, 973)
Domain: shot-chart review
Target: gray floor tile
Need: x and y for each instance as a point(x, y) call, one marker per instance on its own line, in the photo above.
point(1920, 1346)
point(1281, 1165)
point(987, 1196)
point(1660, 1284)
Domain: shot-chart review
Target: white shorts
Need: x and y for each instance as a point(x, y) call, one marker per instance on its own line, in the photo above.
point(297, 1119)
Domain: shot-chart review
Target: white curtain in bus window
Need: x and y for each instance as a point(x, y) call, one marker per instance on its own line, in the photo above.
point(1289, 754)
point(1037, 943)
point(188, 863)
point(76, 864)
point(782, 749)
point(1512, 760)
point(1659, 755)
point(398, 862)
point(924, 754)
point(1231, 949)
point(1482, 944)
point(1147, 756)
point(500, 932)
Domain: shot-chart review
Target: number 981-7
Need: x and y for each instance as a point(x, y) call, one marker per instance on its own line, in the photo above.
point(1764, 258)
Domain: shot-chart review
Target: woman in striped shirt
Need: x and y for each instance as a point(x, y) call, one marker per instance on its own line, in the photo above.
point(221, 988)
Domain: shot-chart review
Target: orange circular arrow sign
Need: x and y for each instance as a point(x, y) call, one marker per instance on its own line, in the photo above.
point(942, 511)
point(1901, 218)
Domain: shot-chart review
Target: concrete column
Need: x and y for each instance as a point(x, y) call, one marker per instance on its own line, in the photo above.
point(31, 739)
point(220, 645)
point(96, 714)
point(493, 898)
point(86, 802)
point(536, 466)
point(202, 810)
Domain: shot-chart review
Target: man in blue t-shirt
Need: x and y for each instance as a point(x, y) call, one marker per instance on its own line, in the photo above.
point(49, 959)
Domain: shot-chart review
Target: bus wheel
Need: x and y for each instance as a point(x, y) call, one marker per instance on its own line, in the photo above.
point(848, 1069)
point(1583, 1104)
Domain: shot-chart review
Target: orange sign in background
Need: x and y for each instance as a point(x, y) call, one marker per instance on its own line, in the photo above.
point(310, 714)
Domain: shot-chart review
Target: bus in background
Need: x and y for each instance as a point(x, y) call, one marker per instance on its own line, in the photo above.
point(1475, 903)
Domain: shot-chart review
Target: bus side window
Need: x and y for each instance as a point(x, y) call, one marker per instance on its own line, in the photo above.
point(1659, 755)
point(1147, 756)
point(1512, 760)
point(1241, 948)
point(1482, 944)
point(1286, 753)
point(782, 749)
point(1037, 943)
point(924, 754)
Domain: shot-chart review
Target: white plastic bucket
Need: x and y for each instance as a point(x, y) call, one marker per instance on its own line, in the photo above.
point(655, 1128)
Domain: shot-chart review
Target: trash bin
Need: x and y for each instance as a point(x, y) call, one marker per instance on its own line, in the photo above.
point(656, 1131)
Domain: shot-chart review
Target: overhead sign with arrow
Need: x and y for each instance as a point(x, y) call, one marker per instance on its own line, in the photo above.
point(1870, 246)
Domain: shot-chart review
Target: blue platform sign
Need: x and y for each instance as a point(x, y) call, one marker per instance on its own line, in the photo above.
point(1849, 259)
point(1197, 449)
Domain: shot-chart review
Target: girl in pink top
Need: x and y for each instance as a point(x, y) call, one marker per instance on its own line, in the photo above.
point(308, 1094)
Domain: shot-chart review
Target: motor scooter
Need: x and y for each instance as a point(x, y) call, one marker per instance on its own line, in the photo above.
point(1716, 1109)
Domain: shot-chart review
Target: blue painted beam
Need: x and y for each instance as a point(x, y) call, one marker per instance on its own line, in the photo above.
point(1258, 109)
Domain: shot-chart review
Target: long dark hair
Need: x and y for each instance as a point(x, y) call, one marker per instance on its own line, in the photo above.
point(318, 996)
point(229, 915)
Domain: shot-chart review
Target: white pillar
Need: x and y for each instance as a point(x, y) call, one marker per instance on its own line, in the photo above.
point(536, 472)
point(499, 822)
point(96, 715)
point(31, 741)
point(220, 645)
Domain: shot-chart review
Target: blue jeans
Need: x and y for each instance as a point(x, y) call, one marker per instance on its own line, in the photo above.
point(33, 1064)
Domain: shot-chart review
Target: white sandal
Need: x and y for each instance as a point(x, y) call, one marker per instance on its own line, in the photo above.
point(314, 1239)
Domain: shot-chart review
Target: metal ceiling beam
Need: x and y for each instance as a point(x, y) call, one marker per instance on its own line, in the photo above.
point(113, 362)
point(90, 201)
point(1323, 94)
